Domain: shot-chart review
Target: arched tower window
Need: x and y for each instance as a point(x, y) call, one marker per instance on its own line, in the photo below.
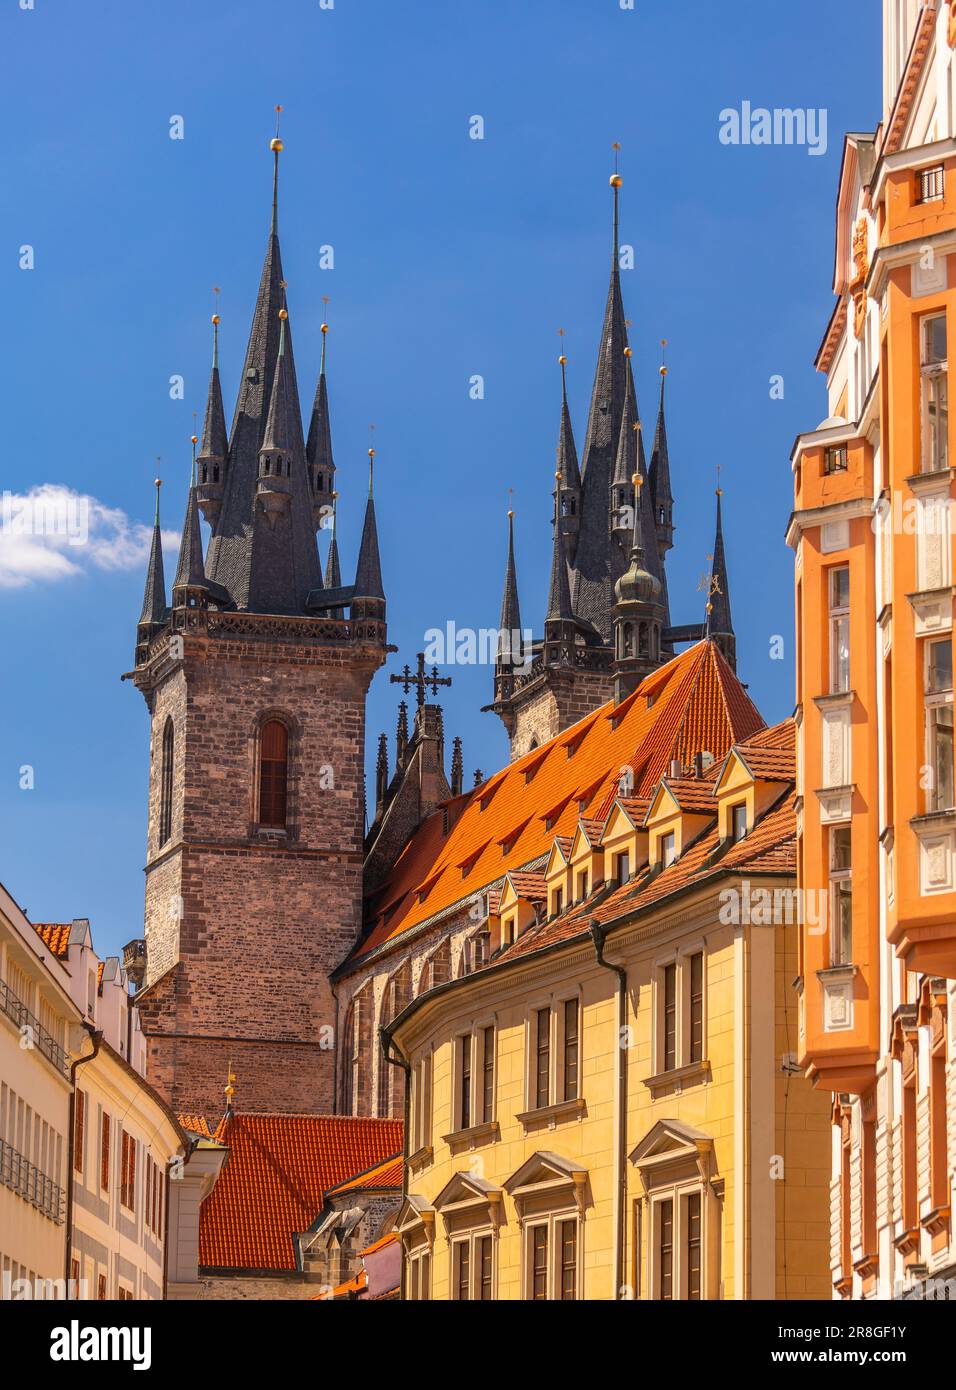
point(273, 773)
point(166, 784)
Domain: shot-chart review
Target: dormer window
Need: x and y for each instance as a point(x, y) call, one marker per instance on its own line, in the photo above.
point(622, 868)
point(738, 821)
point(668, 849)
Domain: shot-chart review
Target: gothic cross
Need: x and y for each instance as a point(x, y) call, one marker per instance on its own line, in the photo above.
point(420, 679)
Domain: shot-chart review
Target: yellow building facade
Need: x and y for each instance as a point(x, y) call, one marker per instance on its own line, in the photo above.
point(611, 1108)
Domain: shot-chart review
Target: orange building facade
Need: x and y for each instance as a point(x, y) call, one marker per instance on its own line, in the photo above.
point(873, 540)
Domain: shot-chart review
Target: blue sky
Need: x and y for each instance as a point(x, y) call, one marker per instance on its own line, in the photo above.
point(453, 257)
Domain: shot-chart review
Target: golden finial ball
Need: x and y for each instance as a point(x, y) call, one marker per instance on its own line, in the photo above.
point(157, 482)
point(510, 514)
point(324, 328)
point(334, 496)
point(276, 145)
point(283, 313)
point(616, 180)
point(563, 360)
point(371, 453)
point(215, 318)
point(627, 352)
point(194, 438)
point(557, 474)
point(663, 371)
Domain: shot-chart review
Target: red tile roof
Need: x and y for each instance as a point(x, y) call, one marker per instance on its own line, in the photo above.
point(275, 1180)
point(56, 935)
point(694, 703)
point(196, 1124)
point(383, 1175)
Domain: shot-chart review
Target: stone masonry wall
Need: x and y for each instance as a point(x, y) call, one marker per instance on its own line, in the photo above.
point(244, 925)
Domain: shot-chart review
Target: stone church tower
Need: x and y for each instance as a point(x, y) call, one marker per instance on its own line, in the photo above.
point(256, 681)
point(612, 520)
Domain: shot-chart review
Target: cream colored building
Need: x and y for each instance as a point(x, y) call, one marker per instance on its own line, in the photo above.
point(611, 1108)
point(100, 1192)
point(40, 1029)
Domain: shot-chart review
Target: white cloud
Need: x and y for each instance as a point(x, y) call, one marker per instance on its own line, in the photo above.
point(52, 533)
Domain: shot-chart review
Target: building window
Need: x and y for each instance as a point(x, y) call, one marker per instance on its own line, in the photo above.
point(929, 184)
point(464, 1082)
point(542, 1052)
point(570, 1049)
point(692, 1243)
point(668, 849)
point(582, 886)
point(273, 773)
point(665, 1251)
point(622, 865)
point(166, 784)
point(568, 1232)
point(105, 1153)
point(738, 820)
point(939, 724)
point(834, 460)
point(934, 391)
point(841, 897)
point(539, 1263)
point(79, 1130)
point(670, 1017)
point(473, 1269)
point(101, 1289)
point(487, 1075)
point(420, 1268)
point(697, 1007)
point(420, 1107)
point(128, 1172)
point(840, 629)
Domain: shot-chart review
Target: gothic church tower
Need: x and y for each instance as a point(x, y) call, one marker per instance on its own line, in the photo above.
point(256, 681)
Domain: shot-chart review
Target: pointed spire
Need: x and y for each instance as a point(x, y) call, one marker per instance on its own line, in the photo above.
point(368, 572)
point(660, 473)
point(154, 595)
point(559, 591)
point(333, 573)
point(318, 449)
point(381, 772)
point(215, 443)
point(457, 767)
point(263, 551)
point(510, 622)
point(279, 426)
point(190, 573)
point(401, 736)
point(719, 625)
point(567, 453)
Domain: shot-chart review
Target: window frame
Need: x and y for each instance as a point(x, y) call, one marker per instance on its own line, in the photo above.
point(841, 940)
point(838, 632)
point(472, 1242)
point(934, 399)
point(268, 818)
point(682, 963)
point(551, 1223)
point(937, 700)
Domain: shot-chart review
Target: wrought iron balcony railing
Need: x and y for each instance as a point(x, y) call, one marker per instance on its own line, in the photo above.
point(26, 1179)
point(16, 1010)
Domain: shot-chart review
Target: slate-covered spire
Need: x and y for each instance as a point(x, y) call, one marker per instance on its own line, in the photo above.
point(510, 654)
point(560, 615)
point(626, 465)
point(457, 767)
point(401, 737)
point(660, 479)
point(598, 563)
point(719, 624)
point(381, 774)
point(318, 448)
point(190, 572)
point(333, 570)
point(154, 596)
point(266, 559)
point(368, 571)
point(214, 448)
point(567, 455)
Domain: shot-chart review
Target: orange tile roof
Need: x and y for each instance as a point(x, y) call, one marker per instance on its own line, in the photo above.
point(274, 1182)
point(692, 704)
point(383, 1175)
point(770, 848)
point(196, 1124)
point(99, 975)
point(56, 935)
point(356, 1285)
point(380, 1244)
point(692, 794)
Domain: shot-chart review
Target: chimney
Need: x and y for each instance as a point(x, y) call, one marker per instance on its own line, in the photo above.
point(675, 769)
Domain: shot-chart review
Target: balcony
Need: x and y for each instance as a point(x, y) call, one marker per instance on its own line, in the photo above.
point(24, 1178)
point(18, 1013)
